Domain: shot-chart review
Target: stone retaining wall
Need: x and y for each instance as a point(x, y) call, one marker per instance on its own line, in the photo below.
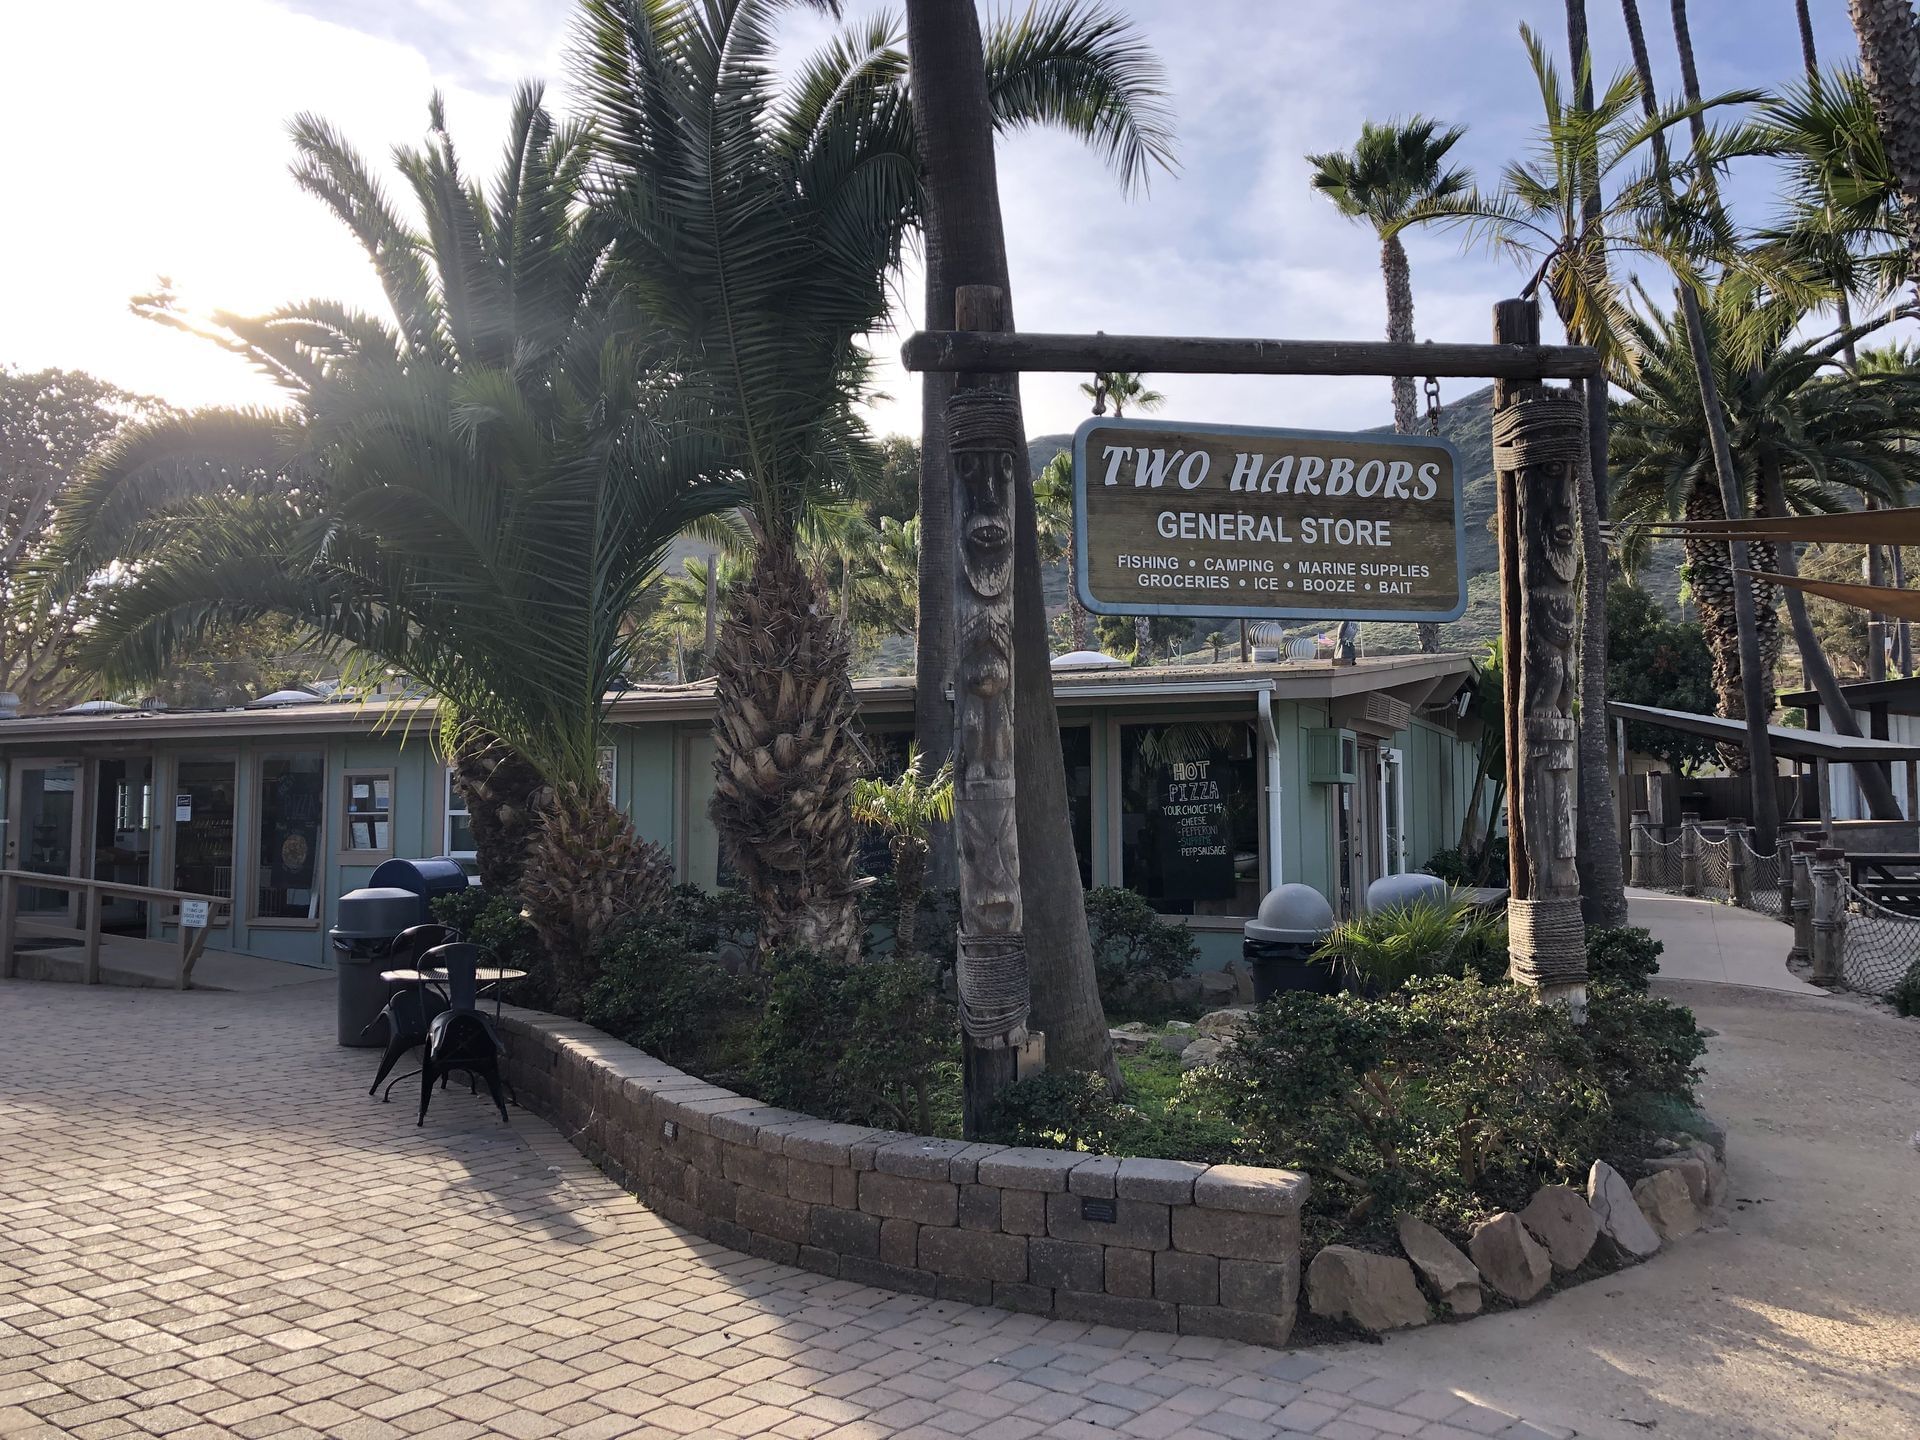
point(1146, 1244)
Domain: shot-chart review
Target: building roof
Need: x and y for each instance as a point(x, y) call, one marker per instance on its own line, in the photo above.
point(1795, 744)
point(1902, 697)
point(1415, 679)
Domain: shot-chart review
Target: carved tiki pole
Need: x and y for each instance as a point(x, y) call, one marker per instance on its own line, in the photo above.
point(982, 432)
point(1538, 441)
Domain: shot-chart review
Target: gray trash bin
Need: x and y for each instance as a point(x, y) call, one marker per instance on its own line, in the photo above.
point(362, 942)
point(1279, 942)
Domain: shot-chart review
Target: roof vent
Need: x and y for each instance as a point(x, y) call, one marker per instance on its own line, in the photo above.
point(1084, 660)
point(9, 705)
point(282, 698)
point(97, 707)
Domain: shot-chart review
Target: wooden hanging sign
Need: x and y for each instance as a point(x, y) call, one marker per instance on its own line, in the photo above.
point(1205, 520)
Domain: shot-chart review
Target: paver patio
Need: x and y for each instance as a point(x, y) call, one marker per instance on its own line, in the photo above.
point(207, 1228)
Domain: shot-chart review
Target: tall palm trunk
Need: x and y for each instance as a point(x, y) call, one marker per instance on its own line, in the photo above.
point(504, 795)
point(784, 756)
point(1399, 277)
point(963, 229)
point(1603, 880)
point(1890, 63)
point(1715, 594)
point(588, 873)
point(1756, 680)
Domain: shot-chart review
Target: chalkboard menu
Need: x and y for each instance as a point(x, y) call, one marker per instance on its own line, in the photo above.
point(1195, 828)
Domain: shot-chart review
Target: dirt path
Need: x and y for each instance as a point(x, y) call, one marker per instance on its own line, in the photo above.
point(1799, 1317)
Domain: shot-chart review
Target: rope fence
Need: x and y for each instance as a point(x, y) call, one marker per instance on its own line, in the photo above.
point(1882, 945)
point(1715, 869)
point(1763, 879)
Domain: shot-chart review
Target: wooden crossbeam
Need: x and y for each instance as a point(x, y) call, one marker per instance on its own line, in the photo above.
point(975, 351)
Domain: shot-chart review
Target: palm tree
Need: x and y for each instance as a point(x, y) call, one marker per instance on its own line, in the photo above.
point(1393, 168)
point(1080, 65)
point(906, 810)
point(1053, 507)
point(1890, 63)
point(1801, 437)
point(1121, 388)
point(755, 227)
point(475, 495)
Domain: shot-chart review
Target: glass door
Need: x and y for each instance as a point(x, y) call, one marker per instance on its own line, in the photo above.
point(43, 832)
point(123, 810)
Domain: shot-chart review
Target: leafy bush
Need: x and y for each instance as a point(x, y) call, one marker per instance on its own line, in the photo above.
point(656, 992)
point(1641, 1046)
point(1162, 1115)
point(1625, 954)
point(1134, 950)
point(853, 1041)
point(1385, 949)
point(1479, 865)
point(1906, 994)
point(714, 917)
point(934, 931)
point(1447, 1097)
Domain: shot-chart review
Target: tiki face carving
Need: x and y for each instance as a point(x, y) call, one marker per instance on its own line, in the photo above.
point(986, 528)
point(1561, 529)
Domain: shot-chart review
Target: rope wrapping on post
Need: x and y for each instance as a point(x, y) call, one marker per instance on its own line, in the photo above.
point(992, 974)
point(1547, 428)
point(1546, 942)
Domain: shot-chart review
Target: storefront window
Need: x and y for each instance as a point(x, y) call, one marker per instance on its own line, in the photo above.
point(1190, 816)
point(459, 841)
point(203, 827)
point(292, 797)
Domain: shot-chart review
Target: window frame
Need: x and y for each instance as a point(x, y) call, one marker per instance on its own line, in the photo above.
point(258, 813)
point(348, 774)
point(447, 812)
point(166, 795)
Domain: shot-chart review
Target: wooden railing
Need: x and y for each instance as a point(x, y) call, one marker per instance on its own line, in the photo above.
point(192, 940)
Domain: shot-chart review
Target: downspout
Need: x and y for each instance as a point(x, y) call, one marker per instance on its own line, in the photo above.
point(1276, 828)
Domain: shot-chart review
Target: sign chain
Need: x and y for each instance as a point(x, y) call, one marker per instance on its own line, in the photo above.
point(1433, 404)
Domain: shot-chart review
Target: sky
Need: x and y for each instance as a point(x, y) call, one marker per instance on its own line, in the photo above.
point(157, 147)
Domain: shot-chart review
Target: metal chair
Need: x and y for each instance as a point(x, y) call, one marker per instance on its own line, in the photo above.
point(409, 1011)
point(460, 1037)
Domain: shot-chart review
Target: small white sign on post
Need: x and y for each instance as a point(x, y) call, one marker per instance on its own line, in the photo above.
point(182, 808)
point(193, 914)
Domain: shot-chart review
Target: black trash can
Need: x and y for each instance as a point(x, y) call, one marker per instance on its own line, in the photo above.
point(1279, 942)
point(362, 947)
point(429, 879)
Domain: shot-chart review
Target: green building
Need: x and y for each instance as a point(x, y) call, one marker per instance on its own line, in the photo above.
point(1199, 787)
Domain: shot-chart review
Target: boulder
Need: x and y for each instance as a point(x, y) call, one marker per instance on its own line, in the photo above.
point(1560, 1220)
point(1690, 1168)
point(1242, 982)
point(1622, 1226)
point(1219, 1024)
point(1664, 1199)
point(1513, 1262)
point(1217, 988)
point(1186, 990)
point(1375, 1292)
point(1129, 1042)
point(1716, 1172)
point(1448, 1273)
point(1201, 1053)
point(1705, 1128)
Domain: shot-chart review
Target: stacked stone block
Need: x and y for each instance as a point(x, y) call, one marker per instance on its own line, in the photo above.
point(1146, 1244)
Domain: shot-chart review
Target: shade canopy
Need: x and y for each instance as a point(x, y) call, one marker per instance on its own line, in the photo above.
point(1795, 744)
point(1857, 527)
point(1880, 599)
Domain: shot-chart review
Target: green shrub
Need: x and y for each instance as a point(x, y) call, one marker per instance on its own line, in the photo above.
point(714, 917)
point(1906, 994)
point(1641, 1046)
point(1135, 952)
point(853, 1041)
point(934, 931)
point(1162, 1116)
point(1448, 1097)
point(1625, 954)
point(656, 992)
point(1481, 865)
point(1386, 948)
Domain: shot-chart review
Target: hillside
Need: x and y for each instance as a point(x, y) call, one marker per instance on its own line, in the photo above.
point(1468, 423)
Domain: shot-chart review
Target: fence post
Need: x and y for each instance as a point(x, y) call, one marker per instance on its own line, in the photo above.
point(1640, 853)
point(1802, 903)
point(1689, 853)
point(1739, 878)
point(1829, 916)
point(9, 918)
point(1783, 870)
